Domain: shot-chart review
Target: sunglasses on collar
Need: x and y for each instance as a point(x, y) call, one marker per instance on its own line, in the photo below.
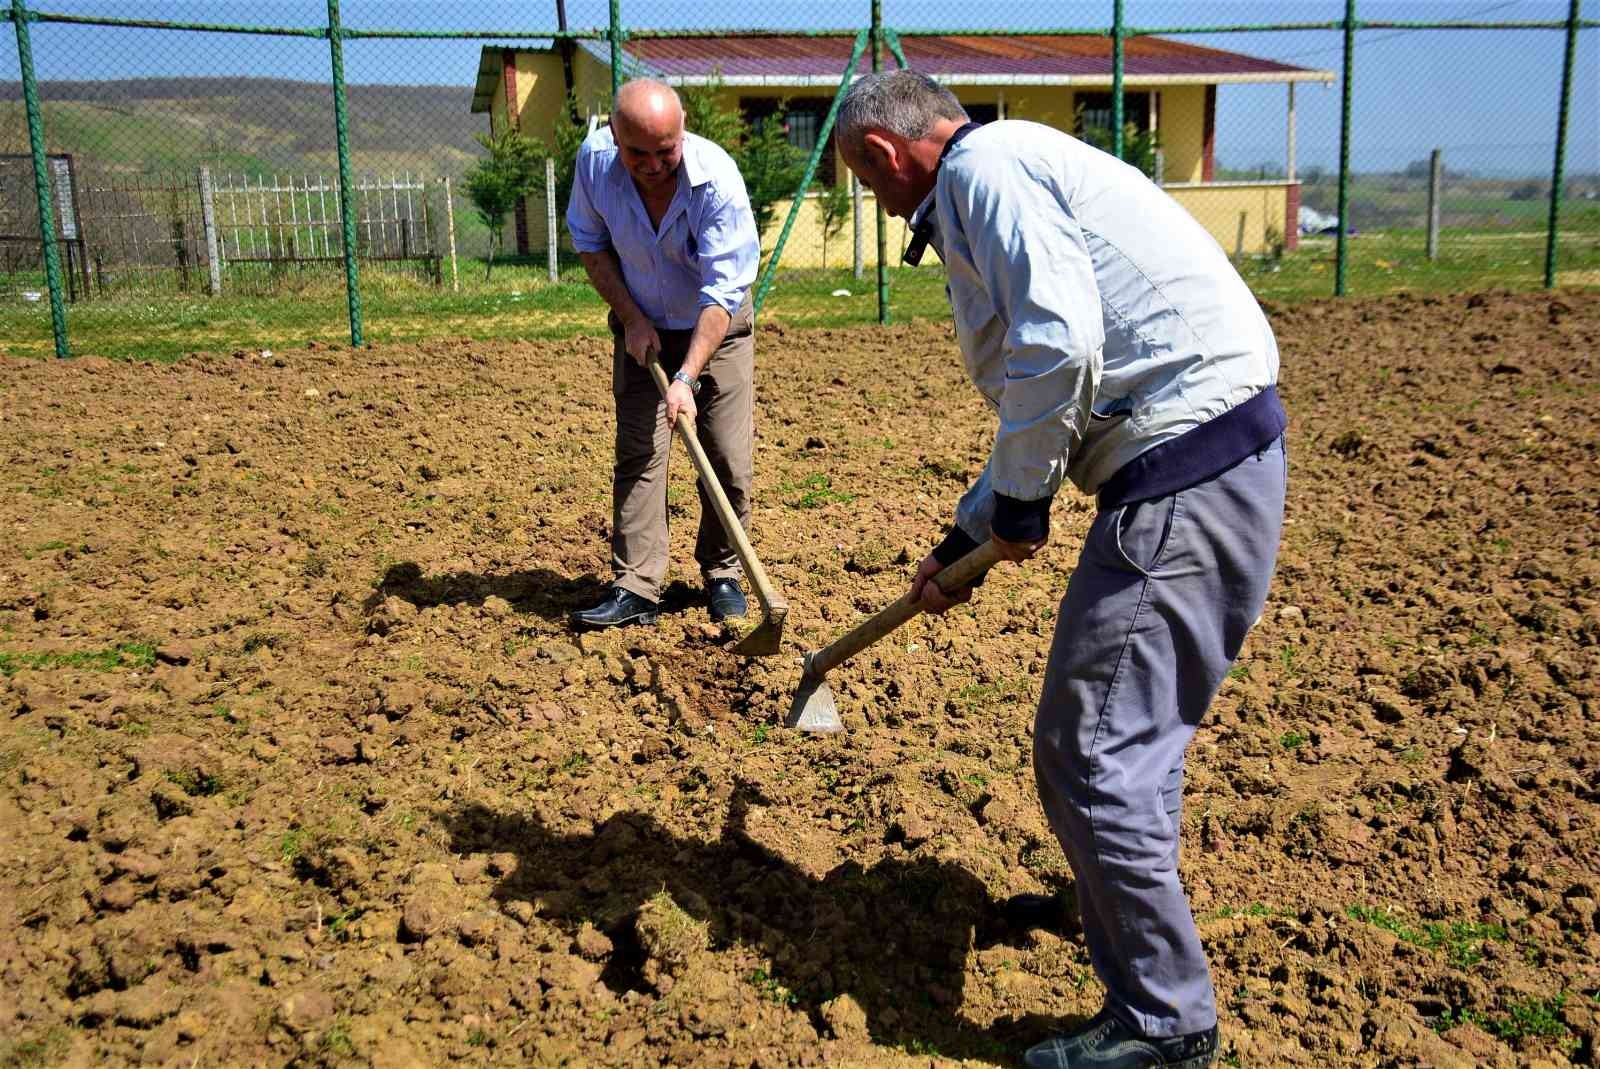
point(922, 233)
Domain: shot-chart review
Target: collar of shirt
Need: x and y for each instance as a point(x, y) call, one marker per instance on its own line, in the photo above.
point(924, 221)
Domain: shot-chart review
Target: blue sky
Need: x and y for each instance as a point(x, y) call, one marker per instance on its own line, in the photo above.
point(1487, 98)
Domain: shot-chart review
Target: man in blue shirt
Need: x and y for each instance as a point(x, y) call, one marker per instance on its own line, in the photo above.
point(1122, 352)
point(662, 222)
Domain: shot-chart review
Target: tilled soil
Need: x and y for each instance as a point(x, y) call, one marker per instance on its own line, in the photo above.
point(301, 764)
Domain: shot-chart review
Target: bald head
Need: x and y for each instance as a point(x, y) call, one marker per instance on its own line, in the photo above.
point(647, 125)
point(649, 108)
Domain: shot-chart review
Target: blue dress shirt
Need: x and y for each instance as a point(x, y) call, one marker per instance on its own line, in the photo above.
point(706, 249)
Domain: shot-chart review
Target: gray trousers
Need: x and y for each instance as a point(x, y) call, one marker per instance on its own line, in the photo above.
point(726, 404)
point(1155, 613)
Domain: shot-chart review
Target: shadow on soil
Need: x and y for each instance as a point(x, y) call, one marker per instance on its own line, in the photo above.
point(540, 591)
point(894, 935)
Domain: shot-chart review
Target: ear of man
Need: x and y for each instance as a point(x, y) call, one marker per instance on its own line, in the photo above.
point(882, 150)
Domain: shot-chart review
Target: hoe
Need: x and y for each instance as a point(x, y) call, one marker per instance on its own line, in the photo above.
point(813, 708)
point(766, 639)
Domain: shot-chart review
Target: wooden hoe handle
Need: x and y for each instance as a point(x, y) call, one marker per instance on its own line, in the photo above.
point(952, 579)
point(770, 599)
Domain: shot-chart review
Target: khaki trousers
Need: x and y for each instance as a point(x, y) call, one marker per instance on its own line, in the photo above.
point(639, 479)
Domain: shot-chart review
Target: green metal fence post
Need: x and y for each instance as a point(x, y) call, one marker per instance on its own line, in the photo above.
point(1344, 148)
point(341, 128)
point(41, 178)
point(615, 34)
point(883, 232)
point(811, 170)
point(1561, 144)
point(1117, 33)
point(892, 39)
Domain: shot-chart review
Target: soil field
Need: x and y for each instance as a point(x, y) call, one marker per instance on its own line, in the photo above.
point(299, 763)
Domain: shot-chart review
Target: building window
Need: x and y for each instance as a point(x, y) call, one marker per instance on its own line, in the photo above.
point(804, 122)
point(1094, 111)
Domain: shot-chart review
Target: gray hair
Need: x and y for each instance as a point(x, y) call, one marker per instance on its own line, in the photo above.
point(903, 102)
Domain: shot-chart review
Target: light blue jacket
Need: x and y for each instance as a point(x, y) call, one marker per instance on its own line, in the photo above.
point(1095, 315)
point(706, 249)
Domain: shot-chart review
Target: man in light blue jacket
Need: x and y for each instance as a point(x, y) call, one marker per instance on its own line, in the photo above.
point(1120, 351)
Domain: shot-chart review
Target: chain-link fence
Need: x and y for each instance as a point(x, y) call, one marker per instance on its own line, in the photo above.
point(342, 156)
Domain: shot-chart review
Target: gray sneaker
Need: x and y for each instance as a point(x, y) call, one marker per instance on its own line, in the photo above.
point(1105, 1042)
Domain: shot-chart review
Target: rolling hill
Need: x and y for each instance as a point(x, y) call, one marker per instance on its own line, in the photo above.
point(257, 126)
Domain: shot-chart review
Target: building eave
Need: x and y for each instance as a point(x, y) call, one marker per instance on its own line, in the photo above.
point(1095, 81)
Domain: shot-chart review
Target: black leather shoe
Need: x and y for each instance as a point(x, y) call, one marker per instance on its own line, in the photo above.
point(1105, 1042)
point(727, 600)
point(620, 607)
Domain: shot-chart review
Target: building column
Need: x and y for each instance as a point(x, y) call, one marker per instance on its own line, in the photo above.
point(1289, 169)
point(508, 64)
point(1291, 221)
point(1208, 158)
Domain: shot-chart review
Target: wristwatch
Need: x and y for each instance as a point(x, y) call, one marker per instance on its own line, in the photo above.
point(680, 376)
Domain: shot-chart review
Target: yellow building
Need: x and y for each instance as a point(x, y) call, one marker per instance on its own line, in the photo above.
point(1170, 94)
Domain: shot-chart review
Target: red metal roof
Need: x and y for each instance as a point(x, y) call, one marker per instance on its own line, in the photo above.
point(778, 56)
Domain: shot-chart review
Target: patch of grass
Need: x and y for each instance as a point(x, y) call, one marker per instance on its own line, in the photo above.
point(1461, 941)
point(293, 844)
point(976, 696)
point(197, 783)
point(47, 547)
point(336, 1040)
point(340, 921)
point(48, 1049)
point(921, 1048)
point(758, 735)
point(1254, 909)
point(815, 491)
point(1286, 656)
point(519, 302)
point(262, 640)
point(123, 655)
point(1531, 1017)
point(1538, 1017)
point(1043, 857)
point(575, 761)
point(1291, 740)
point(1239, 671)
point(771, 989)
point(1389, 261)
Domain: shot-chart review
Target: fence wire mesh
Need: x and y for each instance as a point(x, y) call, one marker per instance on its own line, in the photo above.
point(203, 163)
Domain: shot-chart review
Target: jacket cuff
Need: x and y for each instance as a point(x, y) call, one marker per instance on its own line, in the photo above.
point(1021, 521)
point(956, 544)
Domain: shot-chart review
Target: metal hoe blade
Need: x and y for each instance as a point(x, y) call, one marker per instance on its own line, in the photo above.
point(813, 709)
point(767, 639)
